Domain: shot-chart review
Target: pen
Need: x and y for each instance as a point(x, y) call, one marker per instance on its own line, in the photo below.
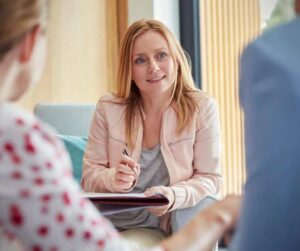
point(125, 152)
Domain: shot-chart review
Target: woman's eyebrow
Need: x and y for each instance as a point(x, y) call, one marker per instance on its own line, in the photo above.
point(139, 54)
point(143, 54)
point(162, 48)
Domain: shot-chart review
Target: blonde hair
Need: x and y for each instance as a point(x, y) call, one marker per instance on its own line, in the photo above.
point(17, 17)
point(185, 94)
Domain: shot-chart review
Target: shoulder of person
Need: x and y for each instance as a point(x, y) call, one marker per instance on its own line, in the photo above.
point(282, 32)
point(277, 42)
point(208, 109)
point(199, 97)
point(111, 98)
point(205, 100)
point(20, 128)
point(111, 106)
point(15, 120)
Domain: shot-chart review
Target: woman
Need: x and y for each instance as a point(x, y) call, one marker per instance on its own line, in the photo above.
point(170, 129)
point(40, 208)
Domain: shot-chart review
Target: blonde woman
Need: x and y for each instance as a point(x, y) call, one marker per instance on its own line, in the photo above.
point(40, 208)
point(169, 128)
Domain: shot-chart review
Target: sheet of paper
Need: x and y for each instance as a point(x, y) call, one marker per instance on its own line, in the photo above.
point(111, 195)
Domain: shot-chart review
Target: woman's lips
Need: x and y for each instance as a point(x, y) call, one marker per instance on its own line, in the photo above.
point(155, 80)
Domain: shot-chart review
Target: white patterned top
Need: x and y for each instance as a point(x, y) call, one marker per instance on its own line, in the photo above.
point(40, 205)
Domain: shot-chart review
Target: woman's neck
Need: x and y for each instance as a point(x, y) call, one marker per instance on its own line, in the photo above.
point(156, 104)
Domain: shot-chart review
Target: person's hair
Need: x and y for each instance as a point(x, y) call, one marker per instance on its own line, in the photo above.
point(185, 95)
point(17, 17)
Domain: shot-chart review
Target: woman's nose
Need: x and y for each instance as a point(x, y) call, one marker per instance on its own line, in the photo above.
point(153, 66)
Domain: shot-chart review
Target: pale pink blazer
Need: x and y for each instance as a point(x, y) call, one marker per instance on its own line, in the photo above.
point(192, 158)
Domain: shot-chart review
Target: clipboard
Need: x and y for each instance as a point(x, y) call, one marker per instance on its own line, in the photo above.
point(112, 203)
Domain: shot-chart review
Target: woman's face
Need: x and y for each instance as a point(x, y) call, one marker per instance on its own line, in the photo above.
point(153, 68)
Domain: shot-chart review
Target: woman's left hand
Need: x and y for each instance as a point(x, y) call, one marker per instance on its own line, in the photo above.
point(166, 191)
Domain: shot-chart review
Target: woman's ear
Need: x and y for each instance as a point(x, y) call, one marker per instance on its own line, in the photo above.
point(28, 43)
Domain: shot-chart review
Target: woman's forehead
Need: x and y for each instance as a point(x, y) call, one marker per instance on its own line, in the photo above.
point(149, 41)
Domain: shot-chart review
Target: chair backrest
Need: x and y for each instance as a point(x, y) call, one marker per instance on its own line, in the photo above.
point(67, 119)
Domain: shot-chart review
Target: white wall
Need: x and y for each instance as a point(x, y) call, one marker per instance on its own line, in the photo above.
point(266, 8)
point(166, 11)
point(138, 9)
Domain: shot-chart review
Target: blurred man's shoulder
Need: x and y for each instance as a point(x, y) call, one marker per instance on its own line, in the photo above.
point(286, 35)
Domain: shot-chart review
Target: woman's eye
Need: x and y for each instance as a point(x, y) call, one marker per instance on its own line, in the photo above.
point(139, 60)
point(162, 55)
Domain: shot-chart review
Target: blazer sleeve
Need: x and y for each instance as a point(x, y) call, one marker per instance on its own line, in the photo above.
point(206, 179)
point(97, 176)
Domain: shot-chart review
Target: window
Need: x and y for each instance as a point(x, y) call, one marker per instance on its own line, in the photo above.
point(274, 12)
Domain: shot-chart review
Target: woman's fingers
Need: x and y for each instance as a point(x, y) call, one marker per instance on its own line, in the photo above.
point(135, 167)
point(125, 170)
point(120, 185)
point(123, 183)
point(126, 160)
point(127, 173)
point(125, 178)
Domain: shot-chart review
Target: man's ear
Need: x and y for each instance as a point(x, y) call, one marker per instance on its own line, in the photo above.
point(28, 43)
point(297, 7)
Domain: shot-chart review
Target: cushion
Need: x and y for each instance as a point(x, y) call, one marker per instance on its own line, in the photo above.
point(75, 145)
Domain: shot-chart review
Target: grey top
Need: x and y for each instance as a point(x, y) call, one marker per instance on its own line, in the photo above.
point(153, 173)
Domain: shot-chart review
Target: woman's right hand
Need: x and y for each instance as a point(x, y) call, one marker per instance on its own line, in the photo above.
point(126, 174)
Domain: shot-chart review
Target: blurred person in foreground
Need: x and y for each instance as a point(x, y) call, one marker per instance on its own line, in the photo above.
point(270, 96)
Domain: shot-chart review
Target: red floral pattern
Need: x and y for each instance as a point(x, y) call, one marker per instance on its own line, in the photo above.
point(40, 203)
